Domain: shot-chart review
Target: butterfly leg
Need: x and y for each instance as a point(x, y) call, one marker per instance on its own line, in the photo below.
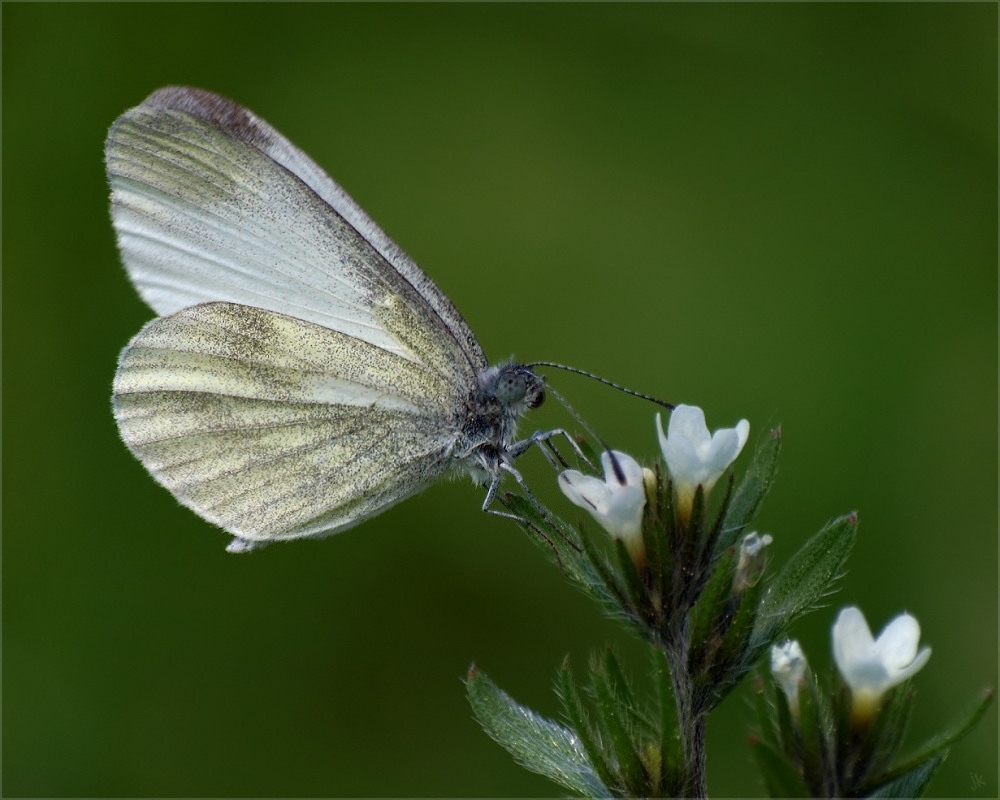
point(545, 437)
point(544, 512)
point(491, 493)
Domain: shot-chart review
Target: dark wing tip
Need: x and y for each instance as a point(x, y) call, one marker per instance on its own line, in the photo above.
point(215, 109)
point(209, 107)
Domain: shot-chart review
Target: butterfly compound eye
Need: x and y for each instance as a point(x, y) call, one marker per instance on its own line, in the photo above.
point(511, 387)
point(519, 385)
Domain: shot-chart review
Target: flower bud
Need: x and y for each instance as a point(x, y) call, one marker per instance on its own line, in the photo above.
point(751, 562)
point(788, 666)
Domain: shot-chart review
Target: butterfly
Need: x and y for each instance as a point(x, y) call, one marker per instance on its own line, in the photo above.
point(303, 374)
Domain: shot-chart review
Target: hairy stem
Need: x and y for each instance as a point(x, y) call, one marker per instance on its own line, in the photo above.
point(690, 720)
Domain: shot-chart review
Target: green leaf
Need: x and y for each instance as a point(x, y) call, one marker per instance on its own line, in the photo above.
point(652, 536)
point(641, 602)
point(607, 589)
point(671, 749)
point(619, 683)
point(714, 531)
point(771, 709)
point(577, 715)
point(709, 613)
point(785, 726)
point(890, 728)
point(807, 577)
point(667, 517)
point(536, 743)
point(592, 463)
point(691, 541)
point(912, 783)
point(939, 745)
point(815, 732)
point(557, 539)
point(566, 549)
point(732, 660)
point(617, 721)
point(638, 717)
point(752, 490)
point(779, 775)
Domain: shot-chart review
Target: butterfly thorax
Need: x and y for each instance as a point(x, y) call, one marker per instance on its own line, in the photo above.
point(487, 423)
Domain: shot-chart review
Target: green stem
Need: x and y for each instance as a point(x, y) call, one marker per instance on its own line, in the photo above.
point(690, 720)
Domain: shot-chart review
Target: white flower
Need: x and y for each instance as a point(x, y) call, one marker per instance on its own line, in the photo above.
point(873, 666)
point(616, 505)
point(750, 566)
point(695, 457)
point(788, 666)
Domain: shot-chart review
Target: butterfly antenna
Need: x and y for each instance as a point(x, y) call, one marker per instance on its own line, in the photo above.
point(599, 379)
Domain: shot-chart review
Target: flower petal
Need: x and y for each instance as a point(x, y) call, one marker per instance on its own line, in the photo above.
point(623, 517)
point(688, 422)
point(872, 667)
point(897, 644)
point(585, 491)
point(852, 642)
point(915, 666)
point(615, 505)
point(679, 446)
point(629, 466)
point(694, 456)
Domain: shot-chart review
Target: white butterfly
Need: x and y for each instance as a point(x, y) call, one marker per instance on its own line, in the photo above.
point(304, 374)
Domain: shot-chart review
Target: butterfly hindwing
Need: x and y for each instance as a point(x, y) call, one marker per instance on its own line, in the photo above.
point(275, 428)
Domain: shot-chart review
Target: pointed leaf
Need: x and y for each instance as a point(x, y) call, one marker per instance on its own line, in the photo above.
point(912, 783)
point(709, 620)
point(564, 547)
point(652, 535)
point(779, 775)
point(639, 597)
point(733, 659)
point(890, 728)
point(786, 727)
point(692, 538)
point(939, 745)
point(616, 722)
point(536, 743)
point(607, 588)
point(590, 460)
point(752, 490)
point(557, 539)
point(575, 712)
point(671, 749)
point(638, 718)
point(714, 531)
point(815, 748)
point(771, 707)
point(618, 681)
point(668, 548)
point(808, 576)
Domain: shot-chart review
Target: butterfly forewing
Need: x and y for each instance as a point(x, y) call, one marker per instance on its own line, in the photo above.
point(241, 125)
point(203, 216)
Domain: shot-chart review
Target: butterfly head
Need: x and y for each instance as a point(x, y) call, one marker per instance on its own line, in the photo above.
point(514, 386)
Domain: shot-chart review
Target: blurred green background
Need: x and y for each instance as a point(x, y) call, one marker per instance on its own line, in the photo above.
point(781, 212)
